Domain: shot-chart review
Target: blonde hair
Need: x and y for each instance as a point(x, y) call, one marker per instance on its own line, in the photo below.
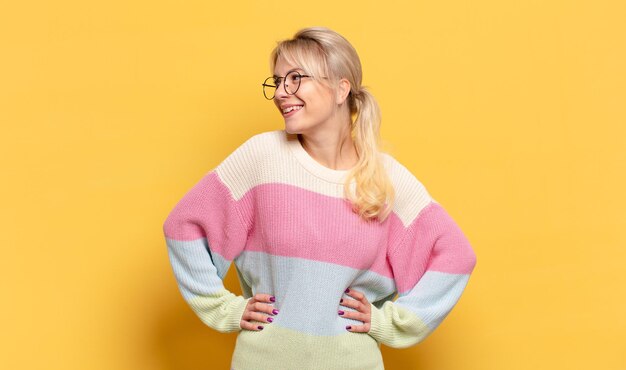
point(322, 52)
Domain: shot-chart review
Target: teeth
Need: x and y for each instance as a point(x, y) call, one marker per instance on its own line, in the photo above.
point(289, 109)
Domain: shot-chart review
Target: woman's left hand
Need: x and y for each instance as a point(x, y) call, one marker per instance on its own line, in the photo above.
point(362, 305)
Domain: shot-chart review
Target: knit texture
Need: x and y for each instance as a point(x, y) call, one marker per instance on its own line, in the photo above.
point(282, 218)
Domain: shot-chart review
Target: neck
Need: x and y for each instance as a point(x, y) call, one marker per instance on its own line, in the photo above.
point(333, 149)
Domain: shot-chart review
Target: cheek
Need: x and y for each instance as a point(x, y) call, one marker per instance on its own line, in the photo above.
point(316, 101)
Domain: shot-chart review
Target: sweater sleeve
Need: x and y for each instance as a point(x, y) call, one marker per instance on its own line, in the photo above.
point(204, 233)
point(431, 267)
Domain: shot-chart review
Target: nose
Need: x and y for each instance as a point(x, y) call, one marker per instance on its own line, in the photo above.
point(280, 91)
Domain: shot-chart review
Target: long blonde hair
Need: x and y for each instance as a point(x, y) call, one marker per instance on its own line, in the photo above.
point(322, 52)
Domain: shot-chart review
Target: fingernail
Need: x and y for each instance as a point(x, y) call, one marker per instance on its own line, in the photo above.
point(348, 290)
point(348, 327)
point(275, 311)
point(273, 299)
point(341, 300)
point(341, 312)
point(260, 327)
point(269, 319)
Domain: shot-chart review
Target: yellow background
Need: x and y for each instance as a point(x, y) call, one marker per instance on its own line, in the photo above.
point(511, 113)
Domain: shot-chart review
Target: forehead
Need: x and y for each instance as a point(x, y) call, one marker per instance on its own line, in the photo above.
point(282, 67)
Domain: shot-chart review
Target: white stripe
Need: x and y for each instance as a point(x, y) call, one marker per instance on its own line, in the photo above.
point(267, 158)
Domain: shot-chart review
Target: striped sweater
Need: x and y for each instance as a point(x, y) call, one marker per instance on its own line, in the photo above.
point(282, 218)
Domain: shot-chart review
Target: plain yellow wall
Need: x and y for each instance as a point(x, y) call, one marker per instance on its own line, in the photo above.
point(512, 114)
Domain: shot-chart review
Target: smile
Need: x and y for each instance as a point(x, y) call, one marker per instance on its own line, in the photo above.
point(292, 108)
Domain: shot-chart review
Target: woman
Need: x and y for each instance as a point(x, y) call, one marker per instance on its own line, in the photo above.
point(324, 229)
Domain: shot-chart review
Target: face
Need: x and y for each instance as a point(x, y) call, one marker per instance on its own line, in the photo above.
point(313, 106)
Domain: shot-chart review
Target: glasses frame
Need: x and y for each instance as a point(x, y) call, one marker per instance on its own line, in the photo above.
point(270, 81)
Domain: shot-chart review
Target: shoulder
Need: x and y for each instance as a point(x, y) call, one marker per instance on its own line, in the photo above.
point(411, 196)
point(267, 137)
point(259, 142)
point(240, 170)
point(253, 149)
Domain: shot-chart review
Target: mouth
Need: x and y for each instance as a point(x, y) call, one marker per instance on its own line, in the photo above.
point(290, 111)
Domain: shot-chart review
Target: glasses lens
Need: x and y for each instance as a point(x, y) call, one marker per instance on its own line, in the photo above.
point(269, 88)
point(292, 82)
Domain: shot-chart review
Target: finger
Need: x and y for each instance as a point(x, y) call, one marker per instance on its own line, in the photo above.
point(365, 328)
point(264, 307)
point(250, 326)
point(262, 297)
point(249, 316)
point(356, 294)
point(349, 302)
point(355, 315)
point(364, 303)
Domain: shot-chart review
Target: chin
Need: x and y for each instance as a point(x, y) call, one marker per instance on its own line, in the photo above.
point(290, 129)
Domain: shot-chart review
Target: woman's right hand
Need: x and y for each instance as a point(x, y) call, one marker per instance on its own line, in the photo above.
point(253, 311)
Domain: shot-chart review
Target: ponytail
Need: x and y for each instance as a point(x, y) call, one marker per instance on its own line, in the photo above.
point(374, 194)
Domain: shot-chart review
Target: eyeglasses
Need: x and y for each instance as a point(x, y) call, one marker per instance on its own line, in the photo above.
point(291, 84)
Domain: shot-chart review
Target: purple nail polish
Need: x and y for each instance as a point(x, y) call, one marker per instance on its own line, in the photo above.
point(269, 319)
point(260, 327)
point(348, 290)
point(275, 311)
point(341, 312)
point(341, 300)
point(273, 299)
point(348, 327)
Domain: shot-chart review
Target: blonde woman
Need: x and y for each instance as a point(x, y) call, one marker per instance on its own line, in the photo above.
point(324, 228)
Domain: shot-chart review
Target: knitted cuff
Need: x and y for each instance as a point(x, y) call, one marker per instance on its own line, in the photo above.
point(376, 323)
point(233, 319)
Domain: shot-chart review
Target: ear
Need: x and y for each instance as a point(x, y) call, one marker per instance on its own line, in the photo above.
point(343, 89)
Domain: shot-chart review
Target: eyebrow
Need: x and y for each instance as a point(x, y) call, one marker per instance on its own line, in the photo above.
point(291, 70)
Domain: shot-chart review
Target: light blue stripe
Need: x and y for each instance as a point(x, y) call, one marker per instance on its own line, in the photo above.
point(198, 272)
point(296, 282)
point(308, 292)
point(432, 298)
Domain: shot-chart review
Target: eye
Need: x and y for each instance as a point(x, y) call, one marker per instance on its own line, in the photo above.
point(277, 80)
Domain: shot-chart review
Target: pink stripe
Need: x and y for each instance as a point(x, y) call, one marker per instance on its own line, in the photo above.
point(286, 220)
point(434, 243)
point(208, 211)
point(295, 222)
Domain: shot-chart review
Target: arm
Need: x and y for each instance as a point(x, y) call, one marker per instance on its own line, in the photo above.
point(204, 233)
point(431, 267)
